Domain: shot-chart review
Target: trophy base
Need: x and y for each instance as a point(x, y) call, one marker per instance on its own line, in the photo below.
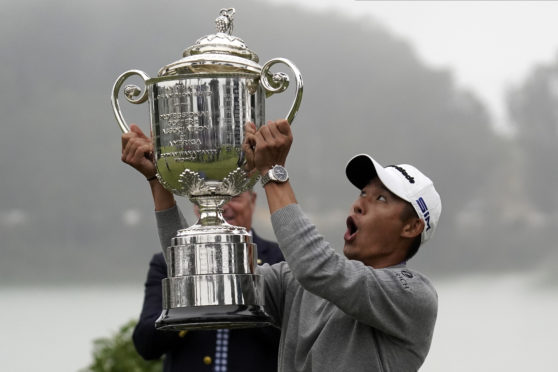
point(212, 281)
point(212, 317)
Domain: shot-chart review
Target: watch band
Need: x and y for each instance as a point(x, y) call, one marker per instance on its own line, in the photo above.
point(265, 178)
point(277, 174)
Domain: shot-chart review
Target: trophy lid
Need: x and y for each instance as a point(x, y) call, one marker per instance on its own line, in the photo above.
point(220, 52)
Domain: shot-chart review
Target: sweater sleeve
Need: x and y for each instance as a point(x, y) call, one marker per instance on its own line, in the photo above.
point(274, 289)
point(169, 221)
point(394, 300)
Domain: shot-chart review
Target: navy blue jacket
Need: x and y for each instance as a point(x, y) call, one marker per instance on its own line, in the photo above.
point(253, 349)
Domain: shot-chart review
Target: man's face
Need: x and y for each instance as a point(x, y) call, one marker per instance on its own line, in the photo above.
point(238, 211)
point(374, 227)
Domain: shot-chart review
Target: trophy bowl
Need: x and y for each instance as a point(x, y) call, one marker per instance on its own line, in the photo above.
point(198, 106)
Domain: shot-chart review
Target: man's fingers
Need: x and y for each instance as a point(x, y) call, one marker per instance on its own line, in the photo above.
point(263, 134)
point(249, 153)
point(280, 128)
point(125, 138)
point(136, 148)
point(281, 133)
point(250, 128)
point(250, 140)
point(137, 130)
point(283, 127)
point(273, 130)
point(141, 153)
point(271, 125)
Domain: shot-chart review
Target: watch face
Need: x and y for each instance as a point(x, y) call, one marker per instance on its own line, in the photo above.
point(280, 174)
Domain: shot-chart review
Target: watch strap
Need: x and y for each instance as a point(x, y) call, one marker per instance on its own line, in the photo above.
point(265, 178)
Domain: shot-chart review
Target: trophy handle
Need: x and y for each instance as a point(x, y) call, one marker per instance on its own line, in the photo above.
point(278, 82)
point(131, 92)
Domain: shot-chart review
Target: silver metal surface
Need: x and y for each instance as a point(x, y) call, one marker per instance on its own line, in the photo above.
point(209, 290)
point(198, 131)
point(278, 82)
point(131, 92)
point(199, 105)
point(210, 234)
point(213, 258)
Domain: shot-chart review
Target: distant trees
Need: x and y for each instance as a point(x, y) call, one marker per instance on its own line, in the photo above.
point(533, 107)
point(365, 90)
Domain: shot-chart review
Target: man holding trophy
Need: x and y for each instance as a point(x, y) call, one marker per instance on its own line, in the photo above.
point(364, 311)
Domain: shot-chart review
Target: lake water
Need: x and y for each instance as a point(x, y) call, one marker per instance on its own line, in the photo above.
point(505, 323)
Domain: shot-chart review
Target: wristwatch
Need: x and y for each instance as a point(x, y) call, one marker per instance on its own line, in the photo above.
point(276, 174)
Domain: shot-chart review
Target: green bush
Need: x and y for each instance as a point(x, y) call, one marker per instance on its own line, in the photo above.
point(117, 354)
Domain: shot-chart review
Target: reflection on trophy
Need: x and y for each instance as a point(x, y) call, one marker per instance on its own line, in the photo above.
point(199, 106)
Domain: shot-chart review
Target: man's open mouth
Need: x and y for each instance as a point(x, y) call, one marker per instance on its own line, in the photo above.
point(351, 229)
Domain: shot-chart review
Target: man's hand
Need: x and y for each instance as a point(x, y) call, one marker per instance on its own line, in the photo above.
point(137, 151)
point(268, 145)
point(264, 148)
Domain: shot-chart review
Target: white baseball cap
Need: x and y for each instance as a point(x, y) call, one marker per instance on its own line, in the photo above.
point(405, 181)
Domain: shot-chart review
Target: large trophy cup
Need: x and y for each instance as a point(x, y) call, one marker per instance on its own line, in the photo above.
point(198, 107)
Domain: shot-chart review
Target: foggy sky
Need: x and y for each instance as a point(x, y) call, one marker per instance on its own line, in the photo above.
point(71, 212)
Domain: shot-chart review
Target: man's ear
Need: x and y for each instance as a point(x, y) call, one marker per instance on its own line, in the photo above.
point(412, 228)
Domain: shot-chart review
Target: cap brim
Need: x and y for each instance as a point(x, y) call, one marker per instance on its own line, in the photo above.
point(362, 169)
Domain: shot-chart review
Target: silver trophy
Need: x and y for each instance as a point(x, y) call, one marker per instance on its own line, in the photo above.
point(199, 106)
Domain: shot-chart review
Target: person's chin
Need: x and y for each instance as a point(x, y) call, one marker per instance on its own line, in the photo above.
point(347, 250)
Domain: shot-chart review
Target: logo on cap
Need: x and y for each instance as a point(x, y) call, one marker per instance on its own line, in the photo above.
point(425, 213)
point(404, 172)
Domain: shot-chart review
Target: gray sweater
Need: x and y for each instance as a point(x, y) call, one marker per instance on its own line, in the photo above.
point(337, 314)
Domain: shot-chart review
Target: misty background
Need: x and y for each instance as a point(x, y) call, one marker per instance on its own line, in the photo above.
point(73, 215)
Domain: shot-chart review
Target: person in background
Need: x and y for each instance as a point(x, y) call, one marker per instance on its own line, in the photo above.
point(238, 350)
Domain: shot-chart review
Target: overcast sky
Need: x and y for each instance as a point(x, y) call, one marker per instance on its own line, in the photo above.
point(489, 44)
